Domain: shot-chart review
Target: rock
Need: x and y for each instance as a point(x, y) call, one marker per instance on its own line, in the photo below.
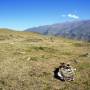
point(11, 43)
point(29, 58)
point(65, 72)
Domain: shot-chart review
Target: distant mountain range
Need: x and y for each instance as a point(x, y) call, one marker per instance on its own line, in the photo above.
point(75, 30)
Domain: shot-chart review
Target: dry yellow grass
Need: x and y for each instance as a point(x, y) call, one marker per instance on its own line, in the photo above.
point(27, 61)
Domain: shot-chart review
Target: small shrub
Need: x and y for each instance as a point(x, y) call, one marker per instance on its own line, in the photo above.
point(65, 53)
point(34, 58)
point(77, 44)
point(45, 49)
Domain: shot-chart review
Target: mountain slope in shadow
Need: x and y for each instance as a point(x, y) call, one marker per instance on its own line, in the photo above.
point(79, 30)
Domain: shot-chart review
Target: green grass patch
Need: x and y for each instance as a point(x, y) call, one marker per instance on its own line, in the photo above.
point(40, 48)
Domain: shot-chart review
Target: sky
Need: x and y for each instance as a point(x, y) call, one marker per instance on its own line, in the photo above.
point(23, 14)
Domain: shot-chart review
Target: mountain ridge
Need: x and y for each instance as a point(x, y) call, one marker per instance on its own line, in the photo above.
point(75, 30)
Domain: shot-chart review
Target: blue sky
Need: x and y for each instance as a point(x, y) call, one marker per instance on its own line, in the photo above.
point(22, 14)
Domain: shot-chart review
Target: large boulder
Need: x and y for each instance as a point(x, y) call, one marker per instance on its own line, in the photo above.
point(66, 72)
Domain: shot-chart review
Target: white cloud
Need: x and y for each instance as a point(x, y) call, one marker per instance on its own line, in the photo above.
point(73, 16)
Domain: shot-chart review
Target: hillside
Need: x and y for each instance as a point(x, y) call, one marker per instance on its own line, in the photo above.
point(27, 61)
point(79, 30)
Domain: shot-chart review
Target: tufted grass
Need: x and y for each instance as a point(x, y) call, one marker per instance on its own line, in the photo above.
point(27, 62)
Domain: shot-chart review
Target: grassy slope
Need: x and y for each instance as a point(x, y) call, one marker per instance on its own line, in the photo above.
point(27, 61)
